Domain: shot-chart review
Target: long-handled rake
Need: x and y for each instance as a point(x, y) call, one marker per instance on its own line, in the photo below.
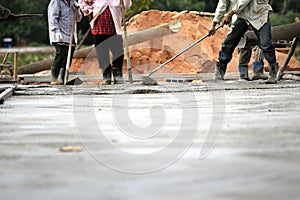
point(149, 81)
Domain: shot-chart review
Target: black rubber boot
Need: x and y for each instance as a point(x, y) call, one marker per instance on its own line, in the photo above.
point(118, 74)
point(243, 71)
point(61, 77)
point(118, 79)
point(220, 71)
point(107, 76)
point(258, 71)
point(273, 69)
point(54, 75)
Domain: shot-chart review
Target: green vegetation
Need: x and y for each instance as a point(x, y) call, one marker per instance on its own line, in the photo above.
point(289, 17)
point(138, 6)
point(297, 53)
point(26, 58)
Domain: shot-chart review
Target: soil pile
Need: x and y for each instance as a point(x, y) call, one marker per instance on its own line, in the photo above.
point(148, 55)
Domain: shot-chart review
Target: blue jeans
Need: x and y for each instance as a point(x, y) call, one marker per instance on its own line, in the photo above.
point(238, 29)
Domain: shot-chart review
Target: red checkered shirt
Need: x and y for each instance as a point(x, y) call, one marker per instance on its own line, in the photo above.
point(104, 24)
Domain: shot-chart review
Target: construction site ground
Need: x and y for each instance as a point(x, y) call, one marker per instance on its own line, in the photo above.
point(231, 141)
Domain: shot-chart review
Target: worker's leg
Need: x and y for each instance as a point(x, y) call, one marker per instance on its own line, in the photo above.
point(118, 58)
point(61, 53)
point(102, 51)
point(244, 59)
point(62, 72)
point(231, 41)
point(264, 37)
point(258, 64)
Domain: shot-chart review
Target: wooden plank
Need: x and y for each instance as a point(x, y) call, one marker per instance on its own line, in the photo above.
point(6, 94)
point(15, 66)
point(46, 64)
point(47, 78)
point(47, 49)
point(202, 14)
point(288, 58)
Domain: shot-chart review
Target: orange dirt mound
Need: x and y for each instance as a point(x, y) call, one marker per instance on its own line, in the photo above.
point(148, 55)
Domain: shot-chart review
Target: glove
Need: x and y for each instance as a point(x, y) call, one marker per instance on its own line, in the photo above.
point(58, 37)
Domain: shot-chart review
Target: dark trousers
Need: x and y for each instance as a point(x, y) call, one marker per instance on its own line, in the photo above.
point(105, 44)
point(60, 60)
point(238, 29)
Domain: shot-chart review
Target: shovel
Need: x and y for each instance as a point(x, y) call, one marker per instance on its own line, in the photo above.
point(129, 72)
point(149, 81)
point(74, 81)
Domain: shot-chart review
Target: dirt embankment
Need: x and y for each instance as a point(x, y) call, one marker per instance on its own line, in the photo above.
point(200, 59)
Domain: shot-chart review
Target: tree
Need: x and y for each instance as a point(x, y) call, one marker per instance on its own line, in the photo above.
point(174, 5)
point(25, 31)
point(138, 6)
point(285, 6)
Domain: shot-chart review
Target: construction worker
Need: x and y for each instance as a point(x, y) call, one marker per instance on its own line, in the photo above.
point(61, 14)
point(106, 22)
point(245, 49)
point(257, 64)
point(250, 13)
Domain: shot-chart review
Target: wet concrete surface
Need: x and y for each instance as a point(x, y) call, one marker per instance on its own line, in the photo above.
point(206, 141)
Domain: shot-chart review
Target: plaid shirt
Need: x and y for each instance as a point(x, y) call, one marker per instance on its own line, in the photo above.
point(104, 24)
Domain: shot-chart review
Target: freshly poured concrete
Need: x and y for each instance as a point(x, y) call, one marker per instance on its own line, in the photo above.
point(256, 154)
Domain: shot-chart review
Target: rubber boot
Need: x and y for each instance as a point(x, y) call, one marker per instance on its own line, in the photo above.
point(258, 71)
point(54, 75)
point(273, 69)
point(107, 76)
point(243, 71)
point(61, 77)
point(118, 75)
point(220, 70)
